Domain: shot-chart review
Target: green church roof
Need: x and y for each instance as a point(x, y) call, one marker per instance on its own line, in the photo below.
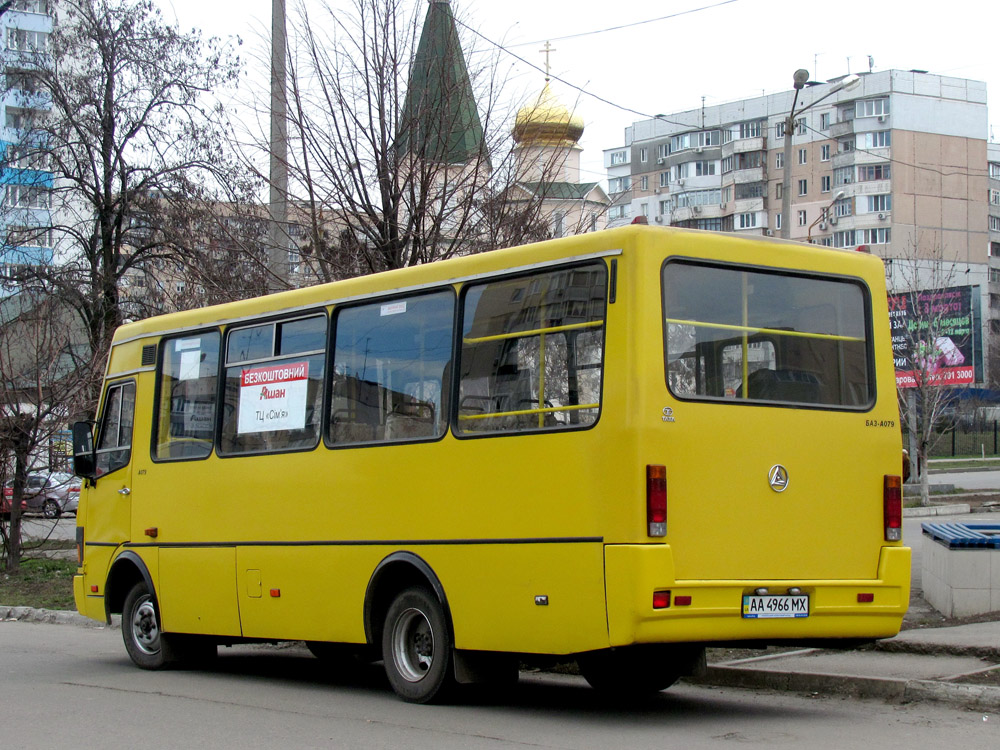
point(440, 121)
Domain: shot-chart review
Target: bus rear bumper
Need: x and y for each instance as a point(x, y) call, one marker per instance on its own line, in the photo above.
point(712, 611)
point(87, 604)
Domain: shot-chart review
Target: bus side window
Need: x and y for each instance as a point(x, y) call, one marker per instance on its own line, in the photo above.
point(188, 391)
point(533, 352)
point(114, 447)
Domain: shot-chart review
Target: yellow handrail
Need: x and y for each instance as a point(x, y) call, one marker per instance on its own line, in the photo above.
point(533, 332)
point(773, 331)
point(521, 412)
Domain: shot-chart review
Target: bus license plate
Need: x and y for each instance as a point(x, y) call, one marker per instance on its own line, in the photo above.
point(775, 606)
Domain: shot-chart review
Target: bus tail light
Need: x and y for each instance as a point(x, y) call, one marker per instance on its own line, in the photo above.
point(656, 500)
point(661, 600)
point(892, 508)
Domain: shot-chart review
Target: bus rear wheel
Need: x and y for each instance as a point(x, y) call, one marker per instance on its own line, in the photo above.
point(416, 647)
point(637, 670)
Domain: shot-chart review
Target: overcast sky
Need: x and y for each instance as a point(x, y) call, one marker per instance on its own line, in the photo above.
point(683, 50)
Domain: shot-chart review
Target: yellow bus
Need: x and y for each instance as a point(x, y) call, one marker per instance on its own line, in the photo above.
point(615, 448)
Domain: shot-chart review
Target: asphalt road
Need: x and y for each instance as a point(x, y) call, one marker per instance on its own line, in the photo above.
point(67, 686)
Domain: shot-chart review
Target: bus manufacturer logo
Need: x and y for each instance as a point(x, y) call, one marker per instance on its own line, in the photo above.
point(777, 477)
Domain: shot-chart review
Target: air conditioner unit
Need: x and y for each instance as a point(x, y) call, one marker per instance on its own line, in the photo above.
point(881, 217)
point(833, 221)
point(697, 209)
point(822, 225)
point(769, 232)
point(656, 190)
point(658, 218)
point(881, 118)
point(659, 160)
point(722, 206)
point(681, 182)
point(699, 149)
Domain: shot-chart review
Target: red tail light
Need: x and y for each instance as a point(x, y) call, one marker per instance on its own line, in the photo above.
point(656, 500)
point(892, 508)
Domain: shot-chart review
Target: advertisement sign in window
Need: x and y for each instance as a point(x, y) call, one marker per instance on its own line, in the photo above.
point(273, 398)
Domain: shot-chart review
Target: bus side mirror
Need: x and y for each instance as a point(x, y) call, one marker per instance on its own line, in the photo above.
point(84, 460)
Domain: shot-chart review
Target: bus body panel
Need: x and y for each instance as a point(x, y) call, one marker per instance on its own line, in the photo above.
point(503, 519)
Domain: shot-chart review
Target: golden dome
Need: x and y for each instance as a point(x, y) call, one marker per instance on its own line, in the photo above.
point(547, 122)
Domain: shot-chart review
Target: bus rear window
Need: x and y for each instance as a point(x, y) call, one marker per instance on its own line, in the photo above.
point(748, 335)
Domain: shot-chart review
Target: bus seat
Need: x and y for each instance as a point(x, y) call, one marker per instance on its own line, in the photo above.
point(784, 385)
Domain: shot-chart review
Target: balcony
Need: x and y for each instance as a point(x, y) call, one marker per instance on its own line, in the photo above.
point(840, 129)
point(741, 176)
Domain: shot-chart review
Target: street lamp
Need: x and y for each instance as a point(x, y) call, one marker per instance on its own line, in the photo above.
point(800, 78)
point(823, 214)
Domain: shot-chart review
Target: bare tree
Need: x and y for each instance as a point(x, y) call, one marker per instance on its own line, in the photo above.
point(402, 156)
point(931, 323)
point(125, 111)
point(43, 368)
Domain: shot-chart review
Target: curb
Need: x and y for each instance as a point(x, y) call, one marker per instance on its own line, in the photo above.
point(937, 510)
point(50, 616)
point(980, 697)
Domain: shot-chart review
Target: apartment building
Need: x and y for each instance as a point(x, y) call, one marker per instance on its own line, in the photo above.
point(895, 165)
point(25, 236)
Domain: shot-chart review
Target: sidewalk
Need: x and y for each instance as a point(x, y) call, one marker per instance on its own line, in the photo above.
point(957, 664)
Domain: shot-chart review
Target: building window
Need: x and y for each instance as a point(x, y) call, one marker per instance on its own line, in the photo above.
point(683, 170)
point(777, 221)
point(779, 129)
point(877, 139)
point(876, 236)
point(619, 157)
point(751, 129)
point(643, 209)
point(21, 40)
point(779, 160)
point(642, 154)
point(842, 207)
point(748, 220)
point(27, 196)
point(620, 212)
point(871, 107)
point(665, 207)
point(779, 190)
point(825, 183)
point(995, 223)
point(663, 151)
point(664, 179)
point(995, 197)
point(824, 152)
point(995, 170)
point(746, 190)
point(803, 187)
point(727, 165)
point(749, 160)
point(619, 184)
point(803, 155)
point(800, 126)
point(843, 176)
point(845, 145)
point(802, 218)
point(697, 198)
point(879, 203)
point(704, 168)
point(843, 239)
point(824, 121)
point(644, 182)
point(871, 172)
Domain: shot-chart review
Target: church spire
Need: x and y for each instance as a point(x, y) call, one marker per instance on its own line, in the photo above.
point(440, 121)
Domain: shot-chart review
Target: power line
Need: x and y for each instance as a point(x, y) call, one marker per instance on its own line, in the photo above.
point(626, 25)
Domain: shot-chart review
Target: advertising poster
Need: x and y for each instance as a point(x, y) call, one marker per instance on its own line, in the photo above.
point(273, 398)
point(932, 336)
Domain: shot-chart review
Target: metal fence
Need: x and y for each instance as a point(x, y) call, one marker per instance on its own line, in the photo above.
point(965, 440)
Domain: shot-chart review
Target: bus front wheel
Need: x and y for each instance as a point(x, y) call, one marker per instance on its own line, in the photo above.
point(416, 647)
point(141, 628)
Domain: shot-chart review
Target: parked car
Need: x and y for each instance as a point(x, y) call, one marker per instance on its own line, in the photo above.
point(50, 494)
point(5, 500)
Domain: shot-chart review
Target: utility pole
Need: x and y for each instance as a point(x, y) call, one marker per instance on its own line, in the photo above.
point(277, 251)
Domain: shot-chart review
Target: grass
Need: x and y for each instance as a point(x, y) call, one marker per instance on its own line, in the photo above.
point(43, 583)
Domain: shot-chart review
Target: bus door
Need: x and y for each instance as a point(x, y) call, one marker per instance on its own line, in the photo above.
point(109, 506)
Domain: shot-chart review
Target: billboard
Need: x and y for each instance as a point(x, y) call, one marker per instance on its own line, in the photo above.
point(933, 336)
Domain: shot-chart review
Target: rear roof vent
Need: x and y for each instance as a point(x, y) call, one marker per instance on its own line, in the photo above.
point(149, 355)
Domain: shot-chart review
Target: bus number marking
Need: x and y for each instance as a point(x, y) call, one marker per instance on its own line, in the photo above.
point(880, 423)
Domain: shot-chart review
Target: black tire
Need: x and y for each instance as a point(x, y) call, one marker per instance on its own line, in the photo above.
point(637, 670)
point(416, 647)
point(144, 641)
point(51, 509)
